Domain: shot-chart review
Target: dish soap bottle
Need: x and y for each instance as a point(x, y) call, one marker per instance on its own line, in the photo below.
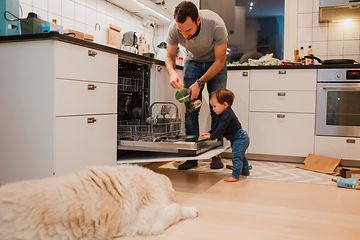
point(310, 52)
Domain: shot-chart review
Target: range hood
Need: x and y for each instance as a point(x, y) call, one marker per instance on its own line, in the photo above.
point(339, 10)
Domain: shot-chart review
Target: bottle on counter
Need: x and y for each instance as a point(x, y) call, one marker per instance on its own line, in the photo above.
point(310, 52)
point(302, 54)
point(297, 58)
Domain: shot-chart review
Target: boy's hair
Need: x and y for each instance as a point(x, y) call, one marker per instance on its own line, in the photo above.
point(186, 9)
point(224, 95)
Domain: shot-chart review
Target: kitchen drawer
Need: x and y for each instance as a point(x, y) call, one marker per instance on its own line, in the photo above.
point(82, 63)
point(283, 101)
point(84, 141)
point(338, 147)
point(79, 97)
point(283, 79)
point(288, 134)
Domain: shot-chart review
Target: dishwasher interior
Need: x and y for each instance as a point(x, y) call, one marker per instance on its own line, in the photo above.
point(152, 127)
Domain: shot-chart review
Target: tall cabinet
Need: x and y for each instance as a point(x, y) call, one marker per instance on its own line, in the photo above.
point(58, 108)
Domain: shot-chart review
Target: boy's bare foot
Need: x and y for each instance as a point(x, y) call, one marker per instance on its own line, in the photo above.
point(231, 179)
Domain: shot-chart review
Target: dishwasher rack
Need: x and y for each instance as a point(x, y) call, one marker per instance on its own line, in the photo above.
point(160, 124)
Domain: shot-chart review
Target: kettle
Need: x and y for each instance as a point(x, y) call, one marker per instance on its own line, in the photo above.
point(162, 52)
point(130, 39)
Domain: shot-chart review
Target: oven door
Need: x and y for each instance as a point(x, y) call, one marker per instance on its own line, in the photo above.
point(338, 109)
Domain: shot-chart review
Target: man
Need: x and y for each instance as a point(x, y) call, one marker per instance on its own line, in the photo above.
point(204, 36)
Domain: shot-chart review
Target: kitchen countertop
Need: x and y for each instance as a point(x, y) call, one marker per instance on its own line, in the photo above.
point(142, 59)
point(61, 37)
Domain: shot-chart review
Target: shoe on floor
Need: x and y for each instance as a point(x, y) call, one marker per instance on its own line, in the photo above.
point(246, 171)
point(216, 163)
point(231, 179)
point(188, 165)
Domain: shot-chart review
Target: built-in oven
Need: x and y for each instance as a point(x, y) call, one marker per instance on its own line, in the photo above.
point(338, 102)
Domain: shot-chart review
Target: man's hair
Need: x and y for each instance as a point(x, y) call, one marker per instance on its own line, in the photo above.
point(223, 95)
point(186, 9)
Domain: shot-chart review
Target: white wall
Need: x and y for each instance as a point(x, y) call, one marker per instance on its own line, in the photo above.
point(82, 15)
point(329, 40)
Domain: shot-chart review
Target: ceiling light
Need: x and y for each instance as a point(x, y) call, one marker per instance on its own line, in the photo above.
point(251, 4)
point(153, 11)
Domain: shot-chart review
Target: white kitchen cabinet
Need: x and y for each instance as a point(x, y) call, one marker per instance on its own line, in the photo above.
point(282, 112)
point(238, 82)
point(280, 133)
point(340, 147)
point(58, 108)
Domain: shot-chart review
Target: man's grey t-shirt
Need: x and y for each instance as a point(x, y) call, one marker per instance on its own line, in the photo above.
point(201, 48)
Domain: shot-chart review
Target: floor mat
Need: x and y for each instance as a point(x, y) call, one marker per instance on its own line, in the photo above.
point(287, 172)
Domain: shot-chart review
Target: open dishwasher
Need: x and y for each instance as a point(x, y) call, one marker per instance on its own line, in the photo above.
point(155, 127)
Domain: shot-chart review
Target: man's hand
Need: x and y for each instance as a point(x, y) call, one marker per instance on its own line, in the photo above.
point(175, 81)
point(194, 90)
point(205, 136)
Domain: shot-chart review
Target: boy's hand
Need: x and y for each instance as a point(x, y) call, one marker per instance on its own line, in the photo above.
point(205, 135)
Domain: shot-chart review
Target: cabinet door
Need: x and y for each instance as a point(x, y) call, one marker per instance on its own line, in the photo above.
point(82, 63)
point(238, 82)
point(288, 134)
point(283, 79)
point(338, 147)
point(283, 101)
point(84, 141)
point(80, 97)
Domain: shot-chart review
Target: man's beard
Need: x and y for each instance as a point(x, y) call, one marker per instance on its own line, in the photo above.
point(196, 33)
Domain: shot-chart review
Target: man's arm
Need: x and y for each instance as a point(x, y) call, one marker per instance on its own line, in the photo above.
point(220, 59)
point(170, 66)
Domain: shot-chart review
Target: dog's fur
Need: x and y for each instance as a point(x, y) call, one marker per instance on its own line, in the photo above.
point(98, 203)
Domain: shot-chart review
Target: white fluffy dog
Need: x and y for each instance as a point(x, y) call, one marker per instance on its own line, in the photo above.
point(98, 203)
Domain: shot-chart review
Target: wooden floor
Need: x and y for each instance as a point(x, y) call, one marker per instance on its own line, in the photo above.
point(262, 209)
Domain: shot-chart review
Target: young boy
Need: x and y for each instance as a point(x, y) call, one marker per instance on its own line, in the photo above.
point(228, 126)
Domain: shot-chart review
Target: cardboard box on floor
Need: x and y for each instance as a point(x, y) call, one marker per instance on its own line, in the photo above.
point(350, 172)
point(321, 164)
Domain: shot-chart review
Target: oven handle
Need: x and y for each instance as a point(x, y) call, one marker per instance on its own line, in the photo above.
point(342, 88)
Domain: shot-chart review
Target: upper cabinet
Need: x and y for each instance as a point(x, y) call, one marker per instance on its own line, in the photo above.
point(145, 9)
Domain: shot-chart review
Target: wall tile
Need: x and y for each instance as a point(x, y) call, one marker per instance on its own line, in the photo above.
point(320, 48)
point(43, 14)
point(320, 33)
point(91, 4)
point(68, 9)
point(351, 31)
point(28, 2)
point(335, 48)
point(25, 10)
point(305, 20)
point(54, 7)
point(80, 13)
point(336, 32)
point(351, 47)
point(305, 6)
point(304, 34)
point(315, 6)
point(41, 4)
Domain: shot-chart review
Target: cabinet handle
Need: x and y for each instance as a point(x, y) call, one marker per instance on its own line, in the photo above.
point(91, 120)
point(92, 53)
point(245, 74)
point(350, 141)
point(280, 115)
point(282, 72)
point(159, 68)
point(281, 94)
point(91, 86)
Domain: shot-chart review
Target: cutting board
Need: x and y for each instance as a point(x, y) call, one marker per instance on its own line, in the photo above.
point(114, 37)
point(74, 33)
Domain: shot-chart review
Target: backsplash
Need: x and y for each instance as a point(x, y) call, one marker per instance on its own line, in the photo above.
point(328, 40)
point(83, 15)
